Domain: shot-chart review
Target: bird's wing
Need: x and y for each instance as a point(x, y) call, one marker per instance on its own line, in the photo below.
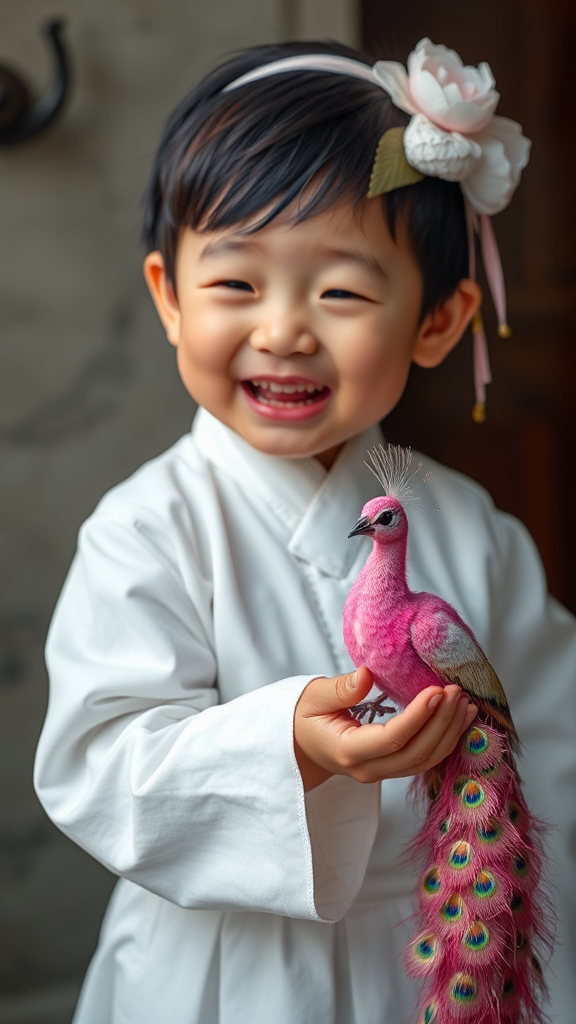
point(447, 646)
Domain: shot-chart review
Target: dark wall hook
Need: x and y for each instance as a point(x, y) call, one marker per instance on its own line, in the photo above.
point(20, 117)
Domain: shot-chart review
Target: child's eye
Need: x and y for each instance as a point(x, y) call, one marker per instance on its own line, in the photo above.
point(241, 286)
point(339, 293)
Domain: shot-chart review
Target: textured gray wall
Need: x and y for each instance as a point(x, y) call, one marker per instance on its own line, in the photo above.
point(88, 391)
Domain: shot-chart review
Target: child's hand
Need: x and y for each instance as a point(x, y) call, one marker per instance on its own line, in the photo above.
point(329, 742)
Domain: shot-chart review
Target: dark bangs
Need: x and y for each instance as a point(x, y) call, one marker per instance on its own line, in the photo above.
point(304, 140)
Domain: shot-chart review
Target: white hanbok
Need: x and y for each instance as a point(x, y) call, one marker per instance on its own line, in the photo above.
point(207, 591)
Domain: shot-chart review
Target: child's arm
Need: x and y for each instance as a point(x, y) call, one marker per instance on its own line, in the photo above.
point(205, 809)
point(328, 741)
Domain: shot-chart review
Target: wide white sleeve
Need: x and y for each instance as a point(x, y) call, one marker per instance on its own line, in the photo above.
point(199, 802)
point(534, 652)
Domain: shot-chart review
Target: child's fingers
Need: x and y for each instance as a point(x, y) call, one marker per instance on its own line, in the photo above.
point(434, 704)
point(440, 735)
point(420, 727)
point(426, 750)
point(327, 741)
point(326, 696)
point(424, 754)
point(434, 742)
point(453, 734)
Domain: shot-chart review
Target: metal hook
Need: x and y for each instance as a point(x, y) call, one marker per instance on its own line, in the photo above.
point(20, 117)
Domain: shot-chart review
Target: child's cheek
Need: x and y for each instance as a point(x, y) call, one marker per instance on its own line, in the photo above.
point(368, 355)
point(211, 338)
point(368, 359)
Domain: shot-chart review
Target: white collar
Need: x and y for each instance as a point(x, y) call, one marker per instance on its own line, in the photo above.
point(317, 507)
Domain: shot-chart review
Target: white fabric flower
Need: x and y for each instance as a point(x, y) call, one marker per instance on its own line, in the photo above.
point(453, 133)
point(454, 97)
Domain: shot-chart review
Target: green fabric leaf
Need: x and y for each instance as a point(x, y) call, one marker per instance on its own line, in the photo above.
point(391, 169)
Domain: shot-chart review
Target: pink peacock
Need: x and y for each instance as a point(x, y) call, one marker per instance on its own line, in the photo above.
point(482, 916)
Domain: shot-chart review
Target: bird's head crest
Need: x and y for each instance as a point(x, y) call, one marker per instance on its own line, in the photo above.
point(392, 467)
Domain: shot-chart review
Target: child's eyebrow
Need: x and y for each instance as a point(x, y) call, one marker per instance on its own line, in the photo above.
point(365, 259)
point(223, 246)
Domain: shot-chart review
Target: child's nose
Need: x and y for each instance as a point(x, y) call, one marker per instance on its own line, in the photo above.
point(283, 334)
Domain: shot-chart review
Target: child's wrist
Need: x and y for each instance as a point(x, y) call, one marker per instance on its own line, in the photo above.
point(312, 774)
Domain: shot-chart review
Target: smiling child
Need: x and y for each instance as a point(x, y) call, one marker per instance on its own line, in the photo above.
point(300, 336)
point(198, 741)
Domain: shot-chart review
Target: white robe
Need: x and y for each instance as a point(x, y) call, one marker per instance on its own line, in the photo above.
point(207, 591)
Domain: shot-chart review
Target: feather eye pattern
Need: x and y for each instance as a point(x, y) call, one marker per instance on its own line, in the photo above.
point(483, 921)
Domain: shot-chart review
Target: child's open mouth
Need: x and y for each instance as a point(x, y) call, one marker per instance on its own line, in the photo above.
point(290, 399)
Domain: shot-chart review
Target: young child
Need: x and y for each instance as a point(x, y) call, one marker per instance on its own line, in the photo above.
point(197, 740)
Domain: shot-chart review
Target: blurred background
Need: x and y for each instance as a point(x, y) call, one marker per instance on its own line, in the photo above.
point(88, 386)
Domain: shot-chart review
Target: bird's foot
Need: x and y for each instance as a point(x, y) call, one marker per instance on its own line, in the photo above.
point(372, 708)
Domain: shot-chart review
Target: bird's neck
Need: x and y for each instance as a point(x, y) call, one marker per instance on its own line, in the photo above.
point(385, 570)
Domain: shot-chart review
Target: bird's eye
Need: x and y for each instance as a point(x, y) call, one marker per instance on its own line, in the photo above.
point(386, 518)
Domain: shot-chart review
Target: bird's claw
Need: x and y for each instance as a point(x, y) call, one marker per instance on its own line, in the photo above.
point(372, 708)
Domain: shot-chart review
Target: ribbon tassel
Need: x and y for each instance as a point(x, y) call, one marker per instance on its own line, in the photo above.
point(482, 226)
point(494, 273)
point(482, 374)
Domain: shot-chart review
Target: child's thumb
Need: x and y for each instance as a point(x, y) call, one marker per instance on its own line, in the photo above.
point(328, 695)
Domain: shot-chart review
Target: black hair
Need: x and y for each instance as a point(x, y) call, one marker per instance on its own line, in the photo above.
point(227, 156)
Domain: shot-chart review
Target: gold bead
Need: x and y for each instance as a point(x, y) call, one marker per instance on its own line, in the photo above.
point(504, 331)
point(476, 324)
point(479, 412)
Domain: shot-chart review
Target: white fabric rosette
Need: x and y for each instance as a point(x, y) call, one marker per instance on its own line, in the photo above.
point(454, 133)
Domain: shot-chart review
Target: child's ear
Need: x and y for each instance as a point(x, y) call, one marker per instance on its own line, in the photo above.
point(442, 329)
point(163, 294)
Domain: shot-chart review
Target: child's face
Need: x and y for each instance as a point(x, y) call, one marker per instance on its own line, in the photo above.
point(298, 337)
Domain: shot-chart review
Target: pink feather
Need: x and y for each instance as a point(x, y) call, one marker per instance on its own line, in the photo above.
point(483, 920)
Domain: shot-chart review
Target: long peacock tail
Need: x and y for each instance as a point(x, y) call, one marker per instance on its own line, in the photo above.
point(483, 919)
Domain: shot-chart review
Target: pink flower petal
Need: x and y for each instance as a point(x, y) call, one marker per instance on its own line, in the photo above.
point(505, 153)
point(469, 117)
point(418, 56)
point(489, 187)
point(393, 77)
point(516, 145)
point(428, 96)
point(453, 93)
point(485, 72)
point(452, 96)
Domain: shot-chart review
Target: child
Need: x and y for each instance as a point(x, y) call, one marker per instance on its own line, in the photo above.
point(197, 740)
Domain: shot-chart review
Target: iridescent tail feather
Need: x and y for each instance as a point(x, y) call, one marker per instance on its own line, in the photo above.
point(484, 921)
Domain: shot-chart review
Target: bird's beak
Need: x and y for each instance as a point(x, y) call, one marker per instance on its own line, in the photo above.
point(362, 526)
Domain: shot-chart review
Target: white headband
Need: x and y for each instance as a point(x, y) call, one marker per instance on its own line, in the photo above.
point(309, 62)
